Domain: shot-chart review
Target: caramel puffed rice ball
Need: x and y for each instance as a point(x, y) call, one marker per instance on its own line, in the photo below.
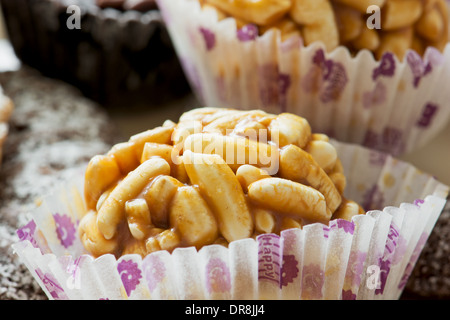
point(404, 24)
point(217, 176)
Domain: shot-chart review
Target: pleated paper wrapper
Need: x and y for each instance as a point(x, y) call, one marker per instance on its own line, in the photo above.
point(388, 105)
point(370, 257)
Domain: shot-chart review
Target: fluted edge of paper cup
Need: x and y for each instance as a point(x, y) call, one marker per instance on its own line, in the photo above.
point(370, 257)
point(387, 104)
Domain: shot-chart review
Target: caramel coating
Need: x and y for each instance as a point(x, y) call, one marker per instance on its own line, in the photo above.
point(404, 24)
point(217, 176)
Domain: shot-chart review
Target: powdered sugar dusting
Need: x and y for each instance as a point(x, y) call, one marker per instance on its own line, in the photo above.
point(54, 131)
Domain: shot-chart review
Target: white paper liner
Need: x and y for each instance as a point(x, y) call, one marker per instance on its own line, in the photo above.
point(387, 105)
point(339, 261)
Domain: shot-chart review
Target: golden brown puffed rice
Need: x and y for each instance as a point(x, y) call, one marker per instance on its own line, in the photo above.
point(404, 24)
point(209, 180)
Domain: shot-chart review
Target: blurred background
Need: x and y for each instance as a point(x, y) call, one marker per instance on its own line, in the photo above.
point(139, 82)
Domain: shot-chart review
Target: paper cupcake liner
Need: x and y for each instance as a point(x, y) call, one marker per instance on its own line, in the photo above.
point(116, 58)
point(368, 258)
point(387, 105)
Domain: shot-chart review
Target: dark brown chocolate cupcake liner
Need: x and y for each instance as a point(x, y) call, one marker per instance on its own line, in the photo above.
point(117, 58)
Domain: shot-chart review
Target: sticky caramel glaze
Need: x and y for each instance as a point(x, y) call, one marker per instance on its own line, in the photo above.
point(220, 202)
point(125, 239)
point(282, 221)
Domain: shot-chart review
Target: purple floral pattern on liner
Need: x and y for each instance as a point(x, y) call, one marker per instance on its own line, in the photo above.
point(428, 115)
point(418, 67)
point(248, 32)
point(65, 230)
point(289, 270)
point(377, 158)
point(218, 278)
point(348, 295)
point(209, 37)
point(313, 279)
point(373, 199)
point(391, 139)
point(52, 285)
point(27, 232)
point(375, 97)
point(355, 269)
point(337, 80)
point(333, 74)
point(327, 75)
point(386, 67)
point(154, 271)
point(130, 274)
point(273, 86)
point(284, 82)
point(346, 226)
